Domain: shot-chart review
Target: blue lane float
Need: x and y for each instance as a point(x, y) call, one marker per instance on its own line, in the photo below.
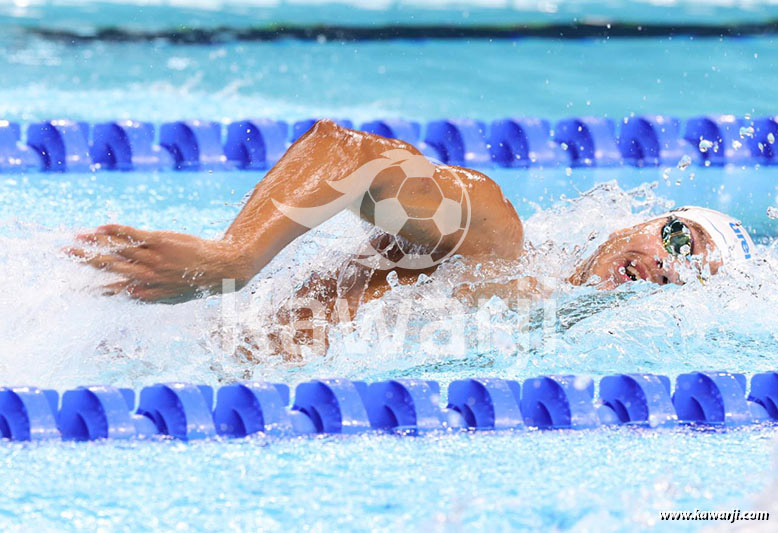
point(639, 399)
point(243, 409)
point(762, 141)
point(559, 402)
point(717, 140)
point(487, 403)
point(764, 392)
point(102, 412)
point(459, 141)
point(524, 142)
point(180, 410)
point(405, 130)
point(27, 413)
point(403, 406)
point(514, 142)
point(15, 156)
point(717, 398)
point(256, 144)
point(726, 139)
point(333, 405)
point(588, 141)
point(194, 144)
point(652, 140)
point(128, 145)
point(63, 145)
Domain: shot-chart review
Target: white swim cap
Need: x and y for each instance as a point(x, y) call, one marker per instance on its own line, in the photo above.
point(727, 233)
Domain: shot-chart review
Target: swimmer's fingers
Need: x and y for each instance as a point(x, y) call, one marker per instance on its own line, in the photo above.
point(78, 253)
point(114, 235)
point(131, 255)
point(118, 287)
point(157, 293)
point(98, 261)
point(110, 263)
point(135, 290)
point(137, 254)
point(128, 233)
point(101, 241)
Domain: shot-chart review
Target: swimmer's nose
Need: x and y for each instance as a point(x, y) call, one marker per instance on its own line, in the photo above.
point(666, 273)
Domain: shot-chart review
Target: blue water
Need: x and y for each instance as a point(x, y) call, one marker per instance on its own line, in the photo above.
point(56, 332)
point(611, 480)
point(416, 80)
point(363, 81)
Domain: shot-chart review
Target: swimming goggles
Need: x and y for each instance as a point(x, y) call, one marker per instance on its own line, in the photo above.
point(677, 238)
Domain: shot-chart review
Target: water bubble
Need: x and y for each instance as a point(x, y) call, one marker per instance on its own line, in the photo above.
point(736, 144)
point(705, 145)
point(770, 138)
point(422, 279)
point(707, 163)
point(666, 173)
point(772, 212)
point(392, 279)
point(569, 171)
point(582, 382)
point(684, 162)
point(691, 176)
point(747, 131)
point(761, 147)
point(564, 146)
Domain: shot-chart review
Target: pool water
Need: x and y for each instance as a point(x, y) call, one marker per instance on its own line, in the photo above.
point(55, 331)
point(613, 480)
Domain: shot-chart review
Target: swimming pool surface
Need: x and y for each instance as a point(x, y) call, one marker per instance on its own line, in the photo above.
point(56, 332)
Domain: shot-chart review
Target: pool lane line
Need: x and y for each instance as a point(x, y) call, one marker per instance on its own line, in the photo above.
point(345, 33)
point(706, 399)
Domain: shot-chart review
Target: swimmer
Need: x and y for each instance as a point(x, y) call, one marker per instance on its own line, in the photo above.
point(169, 267)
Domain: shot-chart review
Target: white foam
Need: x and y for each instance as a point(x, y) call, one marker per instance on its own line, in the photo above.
point(55, 331)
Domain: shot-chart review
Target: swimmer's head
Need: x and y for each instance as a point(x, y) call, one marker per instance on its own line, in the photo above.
point(655, 250)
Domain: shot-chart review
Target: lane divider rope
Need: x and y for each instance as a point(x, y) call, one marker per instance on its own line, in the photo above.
point(404, 406)
point(256, 144)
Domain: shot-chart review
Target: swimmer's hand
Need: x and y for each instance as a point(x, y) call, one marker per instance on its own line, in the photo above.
point(158, 266)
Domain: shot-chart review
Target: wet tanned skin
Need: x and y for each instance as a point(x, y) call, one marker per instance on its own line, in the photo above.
point(637, 253)
point(164, 266)
point(170, 267)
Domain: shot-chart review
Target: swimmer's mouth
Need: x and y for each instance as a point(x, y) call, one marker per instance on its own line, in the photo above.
point(633, 270)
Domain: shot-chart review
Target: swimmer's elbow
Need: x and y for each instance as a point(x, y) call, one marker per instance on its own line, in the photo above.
point(493, 216)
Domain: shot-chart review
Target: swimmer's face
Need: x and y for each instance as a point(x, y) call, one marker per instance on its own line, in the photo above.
point(639, 253)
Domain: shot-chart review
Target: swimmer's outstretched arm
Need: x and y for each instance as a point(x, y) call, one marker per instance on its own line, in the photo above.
point(172, 267)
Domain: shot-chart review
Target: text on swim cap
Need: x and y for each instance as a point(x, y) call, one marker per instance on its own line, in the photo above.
point(742, 239)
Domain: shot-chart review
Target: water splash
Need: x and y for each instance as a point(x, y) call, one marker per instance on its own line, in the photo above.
point(56, 330)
